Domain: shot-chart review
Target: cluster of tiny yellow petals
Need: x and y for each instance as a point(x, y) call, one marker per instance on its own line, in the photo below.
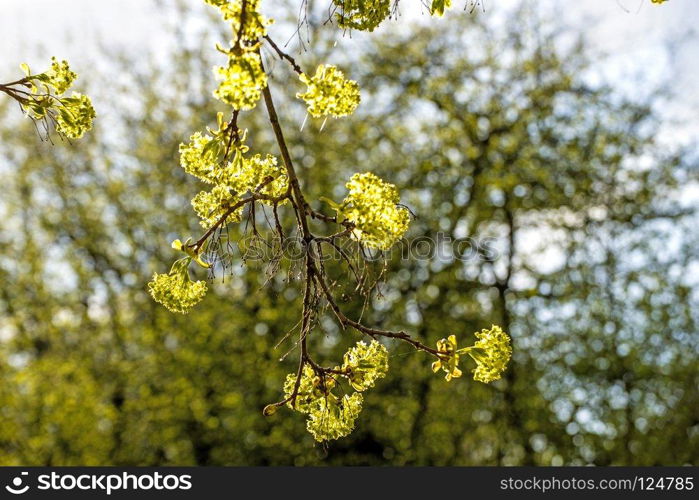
point(255, 23)
point(438, 6)
point(364, 364)
point(59, 76)
point(328, 92)
point(331, 416)
point(206, 155)
point(210, 206)
point(363, 15)
point(658, 1)
point(72, 116)
point(248, 174)
point(372, 205)
point(175, 290)
point(311, 388)
point(242, 81)
point(197, 158)
point(491, 352)
point(448, 358)
point(255, 174)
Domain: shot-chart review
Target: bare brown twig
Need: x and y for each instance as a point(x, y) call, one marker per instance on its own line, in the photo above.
point(284, 55)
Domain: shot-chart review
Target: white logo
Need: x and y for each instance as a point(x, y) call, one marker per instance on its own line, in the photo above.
point(17, 483)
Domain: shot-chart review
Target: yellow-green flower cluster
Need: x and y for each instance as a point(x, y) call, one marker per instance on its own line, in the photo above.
point(658, 1)
point(242, 81)
point(200, 157)
point(257, 174)
point(205, 157)
point(210, 206)
point(72, 116)
point(438, 6)
point(175, 290)
point(328, 92)
point(248, 174)
point(491, 352)
point(255, 23)
point(372, 205)
point(331, 416)
point(363, 15)
point(364, 364)
point(59, 76)
point(311, 388)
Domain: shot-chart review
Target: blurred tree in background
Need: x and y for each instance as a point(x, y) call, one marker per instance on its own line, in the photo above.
point(561, 218)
